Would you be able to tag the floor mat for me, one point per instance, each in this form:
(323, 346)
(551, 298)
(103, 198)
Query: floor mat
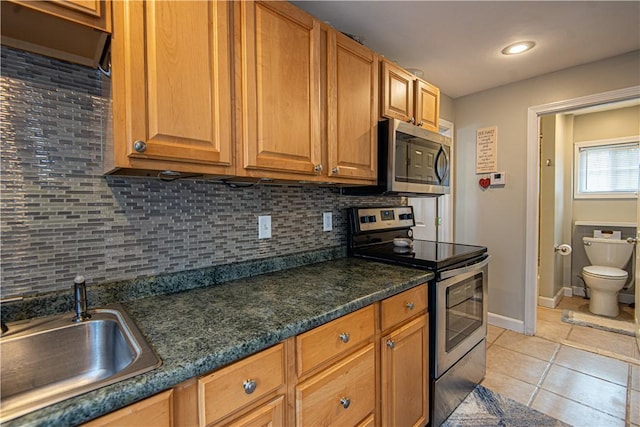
(598, 322)
(484, 407)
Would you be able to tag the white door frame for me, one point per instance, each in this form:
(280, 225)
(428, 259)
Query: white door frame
(533, 186)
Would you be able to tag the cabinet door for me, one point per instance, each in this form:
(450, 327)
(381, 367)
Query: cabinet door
(352, 106)
(397, 92)
(280, 88)
(172, 85)
(427, 105)
(404, 372)
(271, 414)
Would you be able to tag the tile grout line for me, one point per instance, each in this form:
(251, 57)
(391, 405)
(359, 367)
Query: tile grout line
(544, 376)
(627, 408)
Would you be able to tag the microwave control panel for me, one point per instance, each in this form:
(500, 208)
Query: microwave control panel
(370, 219)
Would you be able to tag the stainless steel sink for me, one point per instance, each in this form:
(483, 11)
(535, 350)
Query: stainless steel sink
(50, 359)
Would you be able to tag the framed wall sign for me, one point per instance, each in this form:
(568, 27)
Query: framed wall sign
(487, 150)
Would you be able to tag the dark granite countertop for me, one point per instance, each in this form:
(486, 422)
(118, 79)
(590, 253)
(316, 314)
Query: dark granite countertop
(199, 330)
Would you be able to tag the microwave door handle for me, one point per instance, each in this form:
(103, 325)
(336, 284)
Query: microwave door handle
(441, 152)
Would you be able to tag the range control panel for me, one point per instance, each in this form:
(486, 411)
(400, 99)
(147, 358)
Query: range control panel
(370, 219)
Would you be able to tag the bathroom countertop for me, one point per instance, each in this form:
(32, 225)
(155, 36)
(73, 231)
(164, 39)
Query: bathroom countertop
(199, 330)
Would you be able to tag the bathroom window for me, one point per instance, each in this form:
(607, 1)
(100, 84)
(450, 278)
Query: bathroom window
(607, 168)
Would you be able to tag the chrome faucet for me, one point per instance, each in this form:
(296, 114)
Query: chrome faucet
(80, 292)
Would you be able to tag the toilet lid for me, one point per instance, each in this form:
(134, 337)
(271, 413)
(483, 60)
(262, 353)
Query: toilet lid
(605, 272)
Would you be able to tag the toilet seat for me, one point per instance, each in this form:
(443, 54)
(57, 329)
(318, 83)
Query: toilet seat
(604, 272)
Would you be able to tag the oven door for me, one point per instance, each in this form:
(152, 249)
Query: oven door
(461, 313)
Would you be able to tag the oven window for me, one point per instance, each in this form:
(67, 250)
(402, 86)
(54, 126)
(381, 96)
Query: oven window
(464, 310)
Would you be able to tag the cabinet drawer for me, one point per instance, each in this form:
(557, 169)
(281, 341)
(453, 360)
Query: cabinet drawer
(398, 308)
(342, 395)
(153, 411)
(334, 338)
(223, 391)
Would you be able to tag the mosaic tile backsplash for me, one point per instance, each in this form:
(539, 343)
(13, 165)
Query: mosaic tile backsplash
(61, 217)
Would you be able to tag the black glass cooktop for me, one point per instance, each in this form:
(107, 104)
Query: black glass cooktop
(424, 254)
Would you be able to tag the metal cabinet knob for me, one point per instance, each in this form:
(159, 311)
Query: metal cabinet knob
(391, 343)
(335, 170)
(412, 120)
(409, 305)
(632, 240)
(249, 386)
(345, 402)
(344, 337)
(318, 168)
(140, 146)
(420, 123)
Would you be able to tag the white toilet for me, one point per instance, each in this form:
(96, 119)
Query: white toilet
(605, 276)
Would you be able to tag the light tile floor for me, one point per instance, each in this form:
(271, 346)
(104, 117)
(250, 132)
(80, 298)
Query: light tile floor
(580, 375)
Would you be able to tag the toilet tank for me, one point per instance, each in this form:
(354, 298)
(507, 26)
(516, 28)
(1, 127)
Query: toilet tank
(607, 252)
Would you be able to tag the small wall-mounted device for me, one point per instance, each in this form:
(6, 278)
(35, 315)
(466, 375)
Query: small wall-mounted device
(498, 179)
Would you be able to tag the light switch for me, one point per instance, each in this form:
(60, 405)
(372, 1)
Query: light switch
(264, 227)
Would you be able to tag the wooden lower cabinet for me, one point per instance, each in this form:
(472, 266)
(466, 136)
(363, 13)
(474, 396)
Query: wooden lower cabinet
(368, 368)
(271, 414)
(341, 395)
(154, 411)
(240, 385)
(404, 375)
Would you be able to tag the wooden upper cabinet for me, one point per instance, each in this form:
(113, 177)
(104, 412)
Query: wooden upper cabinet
(397, 92)
(172, 86)
(352, 108)
(279, 89)
(92, 13)
(72, 30)
(427, 98)
(408, 98)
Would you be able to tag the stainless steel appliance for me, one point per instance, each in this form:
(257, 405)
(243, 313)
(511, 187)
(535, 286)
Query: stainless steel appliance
(411, 161)
(457, 298)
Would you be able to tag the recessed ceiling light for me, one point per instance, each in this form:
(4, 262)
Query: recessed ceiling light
(519, 47)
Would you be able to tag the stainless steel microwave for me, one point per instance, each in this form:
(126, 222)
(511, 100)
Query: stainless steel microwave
(412, 162)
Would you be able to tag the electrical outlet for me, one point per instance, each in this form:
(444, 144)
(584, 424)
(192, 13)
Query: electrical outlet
(264, 227)
(327, 221)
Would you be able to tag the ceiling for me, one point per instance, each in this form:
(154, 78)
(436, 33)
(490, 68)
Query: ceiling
(457, 43)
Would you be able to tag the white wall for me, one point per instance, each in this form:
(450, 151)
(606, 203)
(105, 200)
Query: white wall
(496, 217)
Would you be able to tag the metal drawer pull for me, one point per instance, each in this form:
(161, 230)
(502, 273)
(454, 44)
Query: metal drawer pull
(409, 305)
(391, 343)
(345, 402)
(344, 337)
(249, 386)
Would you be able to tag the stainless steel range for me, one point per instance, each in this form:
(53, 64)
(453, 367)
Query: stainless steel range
(457, 298)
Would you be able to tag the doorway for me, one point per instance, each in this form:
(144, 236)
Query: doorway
(533, 188)
(434, 215)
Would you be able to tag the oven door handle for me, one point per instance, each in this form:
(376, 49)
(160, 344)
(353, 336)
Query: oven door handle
(479, 266)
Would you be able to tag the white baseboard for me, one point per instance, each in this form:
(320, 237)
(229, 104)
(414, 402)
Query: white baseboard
(578, 291)
(551, 302)
(505, 322)
(568, 291)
